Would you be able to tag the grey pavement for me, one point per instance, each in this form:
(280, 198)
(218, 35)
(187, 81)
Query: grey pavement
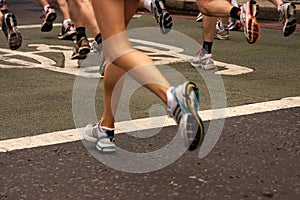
(245, 164)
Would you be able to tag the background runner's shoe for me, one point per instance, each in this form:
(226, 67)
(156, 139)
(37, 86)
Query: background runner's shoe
(249, 12)
(222, 32)
(199, 17)
(162, 16)
(76, 55)
(49, 16)
(67, 32)
(234, 25)
(203, 60)
(83, 46)
(3, 5)
(185, 113)
(97, 48)
(288, 18)
(11, 32)
(102, 136)
(81, 49)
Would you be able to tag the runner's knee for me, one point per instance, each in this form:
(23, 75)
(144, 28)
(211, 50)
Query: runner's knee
(116, 46)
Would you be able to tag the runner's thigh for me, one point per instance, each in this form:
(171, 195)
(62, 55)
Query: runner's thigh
(110, 16)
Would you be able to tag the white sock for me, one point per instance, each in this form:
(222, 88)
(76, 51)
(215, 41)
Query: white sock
(279, 7)
(171, 102)
(66, 22)
(147, 4)
(234, 3)
(46, 7)
(103, 130)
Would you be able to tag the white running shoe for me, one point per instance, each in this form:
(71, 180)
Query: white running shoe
(81, 49)
(203, 60)
(199, 17)
(249, 12)
(103, 137)
(222, 32)
(287, 15)
(97, 48)
(11, 32)
(68, 32)
(162, 16)
(185, 113)
(49, 15)
(234, 25)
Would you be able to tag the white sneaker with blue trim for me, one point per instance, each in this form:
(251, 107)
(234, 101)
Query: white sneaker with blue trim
(185, 113)
(102, 136)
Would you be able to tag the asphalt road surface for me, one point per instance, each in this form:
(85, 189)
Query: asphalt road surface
(256, 157)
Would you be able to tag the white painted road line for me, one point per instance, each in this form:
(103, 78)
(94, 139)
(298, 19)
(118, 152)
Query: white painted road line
(36, 26)
(139, 124)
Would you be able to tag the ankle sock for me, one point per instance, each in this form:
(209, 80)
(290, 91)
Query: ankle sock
(171, 102)
(46, 7)
(207, 46)
(66, 22)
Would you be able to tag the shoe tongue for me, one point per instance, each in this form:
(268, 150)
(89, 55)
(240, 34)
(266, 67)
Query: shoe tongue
(107, 130)
(110, 133)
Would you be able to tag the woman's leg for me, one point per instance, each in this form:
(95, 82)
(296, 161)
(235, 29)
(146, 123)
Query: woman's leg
(112, 16)
(86, 13)
(64, 8)
(138, 64)
(111, 78)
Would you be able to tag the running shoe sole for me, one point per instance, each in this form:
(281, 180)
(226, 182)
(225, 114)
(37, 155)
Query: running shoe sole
(83, 46)
(290, 23)
(186, 115)
(222, 37)
(193, 121)
(162, 16)
(14, 37)
(77, 56)
(15, 40)
(109, 149)
(166, 22)
(80, 53)
(84, 50)
(252, 27)
(48, 22)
